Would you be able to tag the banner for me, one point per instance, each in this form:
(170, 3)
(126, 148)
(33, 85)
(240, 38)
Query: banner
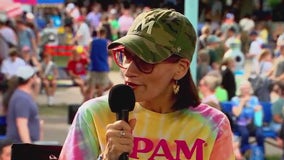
(30, 2)
(34, 2)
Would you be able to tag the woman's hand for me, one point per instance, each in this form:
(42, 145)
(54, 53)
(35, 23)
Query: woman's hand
(257, 108)
(245, 99)
(119, 139)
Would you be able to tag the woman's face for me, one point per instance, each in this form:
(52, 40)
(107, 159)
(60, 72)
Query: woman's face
(148, 86)
(268, 57)
(245, 89)
(151, 83)
(202, 86)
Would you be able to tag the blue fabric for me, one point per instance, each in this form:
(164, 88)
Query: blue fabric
(25, 37)
(256, 153)
(245, 134)
(49, 1)
(247, 113)
(99, 55)
(266, 107)
(22, 105)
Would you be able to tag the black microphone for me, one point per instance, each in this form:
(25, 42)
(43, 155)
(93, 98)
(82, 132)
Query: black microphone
(121, 101)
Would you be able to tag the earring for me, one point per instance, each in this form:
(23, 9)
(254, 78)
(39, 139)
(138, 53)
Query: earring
(176, 87)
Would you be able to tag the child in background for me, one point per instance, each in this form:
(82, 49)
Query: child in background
(265, 62)
(77, 68)
(49, 74)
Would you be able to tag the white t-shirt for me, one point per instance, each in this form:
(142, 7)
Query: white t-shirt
(10, 67)
(255, 49)
(85, 35)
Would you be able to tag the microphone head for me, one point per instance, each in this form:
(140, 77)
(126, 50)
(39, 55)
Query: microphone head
(121, 97)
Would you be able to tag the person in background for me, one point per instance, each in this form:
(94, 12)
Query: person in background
(107, 26)
(265, 62)
(69, 33)
(77, 68)
(205, 32)
(125, 19)
(207, 88)
(232, 37)
(5, 149)
(277, 109)
(8, 33)
(33, 62)
(49, 74)
(82, 33)
(8, 39)
(114, 24)
(23, 123)
(254, 50)
(203, 66)
(72, 10)
(277, 123)
(277, 72)
(26, 37)
(98, 79)
(220, 93)
(12, 63)
(154, 58)
(213, 43)
(228, 77)
(245, 106)
(29, 59)
(94, 16)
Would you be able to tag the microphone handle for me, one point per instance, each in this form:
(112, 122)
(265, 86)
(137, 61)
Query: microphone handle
(123, 115)
(123, 156)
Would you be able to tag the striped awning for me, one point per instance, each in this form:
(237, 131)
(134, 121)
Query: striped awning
(11, 9)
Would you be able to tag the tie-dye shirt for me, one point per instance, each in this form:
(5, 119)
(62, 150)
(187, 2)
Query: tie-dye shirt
(201, 133)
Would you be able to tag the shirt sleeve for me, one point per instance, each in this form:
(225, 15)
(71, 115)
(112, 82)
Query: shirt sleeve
(223, 147)
(235, 101)
(81, 142)
(276, 108)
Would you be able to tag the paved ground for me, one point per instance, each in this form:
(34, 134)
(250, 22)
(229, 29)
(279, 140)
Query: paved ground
(56, 127)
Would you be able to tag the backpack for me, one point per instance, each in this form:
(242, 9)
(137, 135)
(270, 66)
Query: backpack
(256, 153)
(256, 82)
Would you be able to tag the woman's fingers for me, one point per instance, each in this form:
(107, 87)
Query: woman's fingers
(119, 138)
(119, 125)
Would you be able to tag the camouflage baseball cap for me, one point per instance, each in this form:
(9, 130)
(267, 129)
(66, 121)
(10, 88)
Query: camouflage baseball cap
(157, 34)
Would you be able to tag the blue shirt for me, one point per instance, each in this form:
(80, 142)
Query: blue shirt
(25, 37)
(22, 105)
(247, 113)
(99, 55)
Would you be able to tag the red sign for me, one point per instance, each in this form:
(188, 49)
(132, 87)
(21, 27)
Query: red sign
(31, 2)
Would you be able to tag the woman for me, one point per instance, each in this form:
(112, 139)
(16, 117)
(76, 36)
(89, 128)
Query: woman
(265, 62)
(228, 77)
(245, 108)
(207, 88)
(168, 121)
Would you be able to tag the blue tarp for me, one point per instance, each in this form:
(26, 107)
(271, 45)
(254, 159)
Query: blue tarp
(49, 1)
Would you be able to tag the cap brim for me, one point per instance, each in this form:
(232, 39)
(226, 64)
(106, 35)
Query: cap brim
(145, 49)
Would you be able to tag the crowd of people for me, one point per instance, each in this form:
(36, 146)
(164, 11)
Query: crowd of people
(224, 50)
(233, 49)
